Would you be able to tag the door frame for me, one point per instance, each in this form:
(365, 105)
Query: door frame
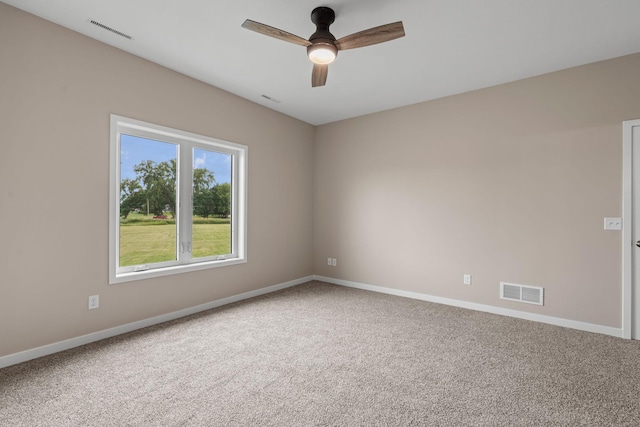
(629, 312)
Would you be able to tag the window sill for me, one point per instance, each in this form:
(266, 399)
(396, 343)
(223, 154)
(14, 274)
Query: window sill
(168, 271)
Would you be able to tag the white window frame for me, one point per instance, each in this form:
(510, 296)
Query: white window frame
(186, 141)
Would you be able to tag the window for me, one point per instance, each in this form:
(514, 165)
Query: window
(177, 201)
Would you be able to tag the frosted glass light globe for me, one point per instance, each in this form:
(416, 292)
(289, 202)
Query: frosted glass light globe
(322, 54)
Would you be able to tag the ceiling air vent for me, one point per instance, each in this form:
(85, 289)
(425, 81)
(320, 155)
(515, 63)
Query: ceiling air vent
(277, 101)
(522, 293)
(105, 27)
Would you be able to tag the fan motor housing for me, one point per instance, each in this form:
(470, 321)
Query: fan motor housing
(322, 17)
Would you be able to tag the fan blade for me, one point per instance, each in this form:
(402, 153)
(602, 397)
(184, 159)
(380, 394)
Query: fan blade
(319, 75)
(274, 32)
(375, 35)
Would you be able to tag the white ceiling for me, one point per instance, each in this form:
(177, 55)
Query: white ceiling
(451, 46)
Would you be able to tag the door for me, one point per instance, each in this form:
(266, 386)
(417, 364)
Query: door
(635, 229)
(631, 226)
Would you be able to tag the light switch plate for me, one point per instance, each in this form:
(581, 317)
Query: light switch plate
(613, 223)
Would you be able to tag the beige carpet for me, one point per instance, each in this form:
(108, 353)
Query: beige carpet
(324, 355)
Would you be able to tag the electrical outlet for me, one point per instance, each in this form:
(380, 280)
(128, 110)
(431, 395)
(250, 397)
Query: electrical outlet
(334, 262)
(94, 301)
(466, 279)
(328, 261)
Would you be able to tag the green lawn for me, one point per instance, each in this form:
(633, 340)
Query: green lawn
(144, 240)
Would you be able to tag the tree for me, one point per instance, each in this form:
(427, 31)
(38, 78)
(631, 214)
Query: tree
(132, 196)
(202, 179)
(159, 182)
(222, 199)
(203, 201)
(154, 185)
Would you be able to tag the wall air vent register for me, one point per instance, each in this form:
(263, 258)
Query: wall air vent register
(522, 293)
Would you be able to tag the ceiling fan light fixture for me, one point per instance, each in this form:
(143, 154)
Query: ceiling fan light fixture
(322, 53)
(322, 46)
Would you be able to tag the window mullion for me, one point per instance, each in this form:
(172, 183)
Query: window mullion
(185, 203)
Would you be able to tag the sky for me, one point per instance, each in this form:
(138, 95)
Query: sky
(134, 149)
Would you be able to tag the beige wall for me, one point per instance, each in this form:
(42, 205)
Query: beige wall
(510, 183)
(57, 90)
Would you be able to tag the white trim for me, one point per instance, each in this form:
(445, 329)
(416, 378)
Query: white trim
(23, 356)
(567, 323)
(627, 229)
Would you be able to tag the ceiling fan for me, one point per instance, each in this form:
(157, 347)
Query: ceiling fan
(322, 46)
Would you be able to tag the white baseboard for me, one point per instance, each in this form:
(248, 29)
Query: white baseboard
(573, 324)
(23, 356)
